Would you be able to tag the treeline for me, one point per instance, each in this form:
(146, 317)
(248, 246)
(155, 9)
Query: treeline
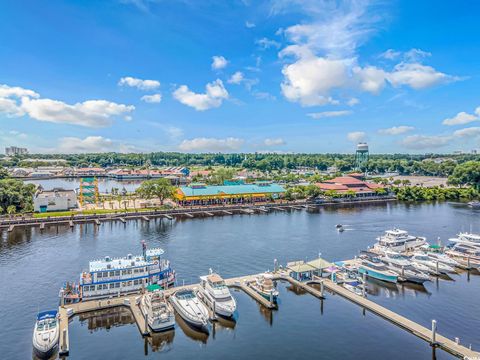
(418, 193)
(404, 164)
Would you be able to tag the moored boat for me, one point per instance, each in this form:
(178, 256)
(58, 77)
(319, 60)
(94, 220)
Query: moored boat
(190, 309)
(399, 241)
(46, 333)
(159, 311)
(263, 284)
(215, 294)
(466, 238)
(468, 256)
(375, 269)
(435, 267)
(403, 268)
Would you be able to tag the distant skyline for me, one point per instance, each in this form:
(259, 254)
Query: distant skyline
(239, 76)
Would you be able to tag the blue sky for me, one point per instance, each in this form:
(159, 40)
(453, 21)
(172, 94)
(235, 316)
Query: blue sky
(228, 76)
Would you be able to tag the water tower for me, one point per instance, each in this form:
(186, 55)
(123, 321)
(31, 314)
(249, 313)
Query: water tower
(361, 155)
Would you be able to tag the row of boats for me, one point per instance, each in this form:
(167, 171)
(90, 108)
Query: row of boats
(400, 257)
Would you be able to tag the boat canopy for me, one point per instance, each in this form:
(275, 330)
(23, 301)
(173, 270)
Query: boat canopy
(320, 263)
(154, 287)
(51, 314)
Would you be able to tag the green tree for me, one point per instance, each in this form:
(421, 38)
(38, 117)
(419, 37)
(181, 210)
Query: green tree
(4, 173)
(161, 189)
(11, 209)
(467, 173)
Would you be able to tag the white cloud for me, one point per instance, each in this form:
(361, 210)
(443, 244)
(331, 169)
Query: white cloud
(371, 78)
(356, 136)
(461, 118)
(417, 76)
(214, 95)
(266, 43)
(353, 102)
(219, 62)
(422, 142)
(174, 132)
(236, 78)
(415, 55)
(396, 130)
(91, 144)
(327, 114)
(16, 91)
(467, 132)
(249, 24)
(390, 54)
(139, 83)
(155, 98)
(274, 142)
(262, 95)
(211, 144)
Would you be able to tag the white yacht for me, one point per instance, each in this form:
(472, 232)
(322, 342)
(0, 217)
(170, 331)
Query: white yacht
(466, 238)
(404, 268)
(161, 316)
(216, 295)
(467, 255)
(436, 253)
(374, 268)
(435, 267)
(263, 284)
(46, 333)
(399, 241)
(190, 308)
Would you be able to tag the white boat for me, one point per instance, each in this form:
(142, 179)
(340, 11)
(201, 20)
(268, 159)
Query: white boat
(374, 268)
(436, 253)
(468, 256)
(160, 314)
(355, 286)
(435, 267)
(403, 268)
(474, 204)
(399, 241)
(263, 284)
(466, 238)
(216, 295)
(190, 308)
(46, 333)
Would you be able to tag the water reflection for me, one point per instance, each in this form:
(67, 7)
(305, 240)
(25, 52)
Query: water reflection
(192, 333)
(159, 342)
(106, 319)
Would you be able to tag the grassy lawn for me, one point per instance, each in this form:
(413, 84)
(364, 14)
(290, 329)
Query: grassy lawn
(91, 212)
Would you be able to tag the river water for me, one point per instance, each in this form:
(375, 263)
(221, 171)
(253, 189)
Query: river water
(33, 266)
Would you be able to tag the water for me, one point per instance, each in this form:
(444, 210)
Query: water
(104, 184)
(34, 265)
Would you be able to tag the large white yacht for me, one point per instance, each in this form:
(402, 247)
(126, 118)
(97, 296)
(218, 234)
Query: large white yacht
(467, 255)
(398, 241)
(216, 295)
(435, 267)
(46, 333)
(404, 268)
(161, 316)
(466, 238)
(190, 308)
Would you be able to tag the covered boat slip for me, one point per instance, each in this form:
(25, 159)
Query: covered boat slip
(305, 271)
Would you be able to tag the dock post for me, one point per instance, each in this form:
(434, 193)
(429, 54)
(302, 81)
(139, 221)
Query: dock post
(364, 284)
(457, 341)
(321, 288)
(64, 343)
(468, 262)
(146, 323)
(434, 331)
(274, 265)
(271, 299)
(436, 266)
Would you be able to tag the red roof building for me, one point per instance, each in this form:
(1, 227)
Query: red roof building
(343, 184)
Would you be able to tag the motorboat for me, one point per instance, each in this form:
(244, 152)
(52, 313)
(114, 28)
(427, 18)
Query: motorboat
(354, 285)
(399, 241)
(376, 269)
(467, 255)
(263, 284)
(474, 204)
(160, 313)
(466, 238)
(436, 253)
(435, 267)
(46, 333)
(190, 308)
(215, 294)
(403, 267)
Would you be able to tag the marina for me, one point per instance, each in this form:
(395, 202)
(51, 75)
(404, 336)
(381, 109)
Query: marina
(295, 225)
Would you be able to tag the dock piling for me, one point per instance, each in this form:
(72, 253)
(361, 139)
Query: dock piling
(457, 341)
(364, 287)
(322, 288)
(146, 323)
(434, 332)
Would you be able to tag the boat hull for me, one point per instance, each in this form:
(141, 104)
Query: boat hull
(378, 275)
(196, 323)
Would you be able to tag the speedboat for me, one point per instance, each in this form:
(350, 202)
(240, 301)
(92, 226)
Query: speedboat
(435, 267)
(468, 256)
(263, 284)
(190, 308)
(399, 241)
(403, 268)
(46, 333)
(216, 295)
(161, 316)
(374, 268)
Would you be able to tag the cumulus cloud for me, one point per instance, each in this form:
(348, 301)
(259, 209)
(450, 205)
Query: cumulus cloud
(219, 62)
(249, 24)
(327, 114)
(213, 97)
(353, 102)
(236, 78)
(356, 136)
(417, 76)
(422, 142)
(139, 83)
(274, 142)
(370, 78)
(396, 130)
(266, 43)
(467, 132)
(211, 144)
(462, 118)
(16, 101)
(390, 54)
(90, 144)
(155, 98)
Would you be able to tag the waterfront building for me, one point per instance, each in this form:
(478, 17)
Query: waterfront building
(57, 199)
(89, 172)
(13, 150)
(233, 193)
(300, 270)
(347, 184)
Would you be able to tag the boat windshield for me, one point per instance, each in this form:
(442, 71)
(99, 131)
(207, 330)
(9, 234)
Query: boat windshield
(185, 295)
(218, 285)
(421, 257)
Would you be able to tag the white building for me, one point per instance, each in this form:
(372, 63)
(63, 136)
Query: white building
(54, 200)
(13, 150)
